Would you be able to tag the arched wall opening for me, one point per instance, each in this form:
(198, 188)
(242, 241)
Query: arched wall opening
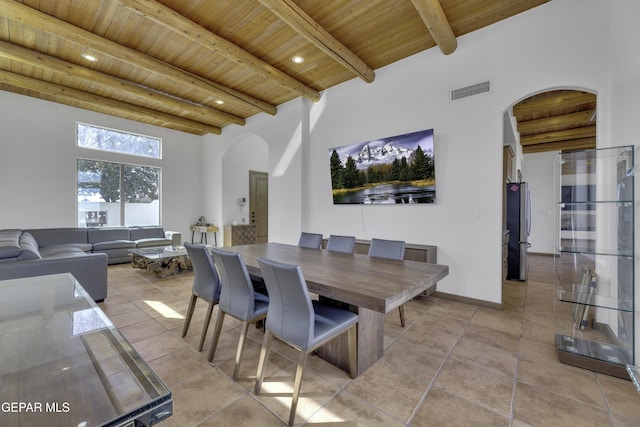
(537, 168)
(246, 153)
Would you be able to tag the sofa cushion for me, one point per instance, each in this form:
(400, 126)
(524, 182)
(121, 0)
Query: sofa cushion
(139, 233)
(9, 250)
(89, 269)
(29, 247)
(9, 234)
(96, 235)
(114, 244)
(16, 245)
(85, 247)
(57, 236)
(61, 250)
(10, 244)
(117, 255)
(145, 243)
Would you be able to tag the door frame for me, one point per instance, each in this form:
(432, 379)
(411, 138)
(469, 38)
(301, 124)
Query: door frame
(259, 199)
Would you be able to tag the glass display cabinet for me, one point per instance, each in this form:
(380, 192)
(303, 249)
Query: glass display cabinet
(594, 277)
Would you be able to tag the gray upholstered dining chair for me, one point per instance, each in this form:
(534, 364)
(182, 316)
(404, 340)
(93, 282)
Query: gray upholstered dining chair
(237, 299)
(341, 243)
(300, 322)
(206, 285)
(310, 240)
(391, 249)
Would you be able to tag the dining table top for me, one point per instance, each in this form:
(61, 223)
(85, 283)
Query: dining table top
(377, 284)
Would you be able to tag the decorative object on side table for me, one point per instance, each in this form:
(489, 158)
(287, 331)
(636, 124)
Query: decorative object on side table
(203, 227)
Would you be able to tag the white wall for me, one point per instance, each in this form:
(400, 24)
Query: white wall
(283, 135)
(538, 170)
(38, 164)
(413, 94)
(247, 153)
(625, 89)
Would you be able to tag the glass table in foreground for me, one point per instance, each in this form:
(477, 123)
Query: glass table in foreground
(64, 363)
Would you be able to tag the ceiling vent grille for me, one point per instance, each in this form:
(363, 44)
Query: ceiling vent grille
(472, 90)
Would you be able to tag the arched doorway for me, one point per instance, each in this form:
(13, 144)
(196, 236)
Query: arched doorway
(556, 120)
(537, 127)
(245, 156)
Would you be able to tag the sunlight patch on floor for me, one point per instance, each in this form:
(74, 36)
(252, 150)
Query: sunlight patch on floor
(164, 310)
(282, 392)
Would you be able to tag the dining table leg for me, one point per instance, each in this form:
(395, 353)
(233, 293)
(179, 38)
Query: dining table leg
(370, 342)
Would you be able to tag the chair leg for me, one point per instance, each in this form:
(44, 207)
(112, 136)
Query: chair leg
(205, 327)
(296, 386)
(187, 320)
(216, 334)
(241, 342)
(401, 311)
(264, 357)
(352, 343)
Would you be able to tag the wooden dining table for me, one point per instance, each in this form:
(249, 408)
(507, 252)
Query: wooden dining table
(366, 285)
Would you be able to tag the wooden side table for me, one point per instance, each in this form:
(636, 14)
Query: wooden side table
(203, 230)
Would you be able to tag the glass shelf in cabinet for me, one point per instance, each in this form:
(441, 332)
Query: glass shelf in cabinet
(570, 294)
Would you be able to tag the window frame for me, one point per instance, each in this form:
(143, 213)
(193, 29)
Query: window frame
(122, 202)
(123, 153)
(123, 160)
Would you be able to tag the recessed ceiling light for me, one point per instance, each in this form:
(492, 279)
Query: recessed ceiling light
(298, 59)
(219, 101)
(89, 57)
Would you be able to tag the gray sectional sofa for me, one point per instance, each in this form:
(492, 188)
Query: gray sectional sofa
(84, 252)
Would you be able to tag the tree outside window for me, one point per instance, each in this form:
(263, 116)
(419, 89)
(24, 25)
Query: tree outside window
(117, 194)
(113, 194)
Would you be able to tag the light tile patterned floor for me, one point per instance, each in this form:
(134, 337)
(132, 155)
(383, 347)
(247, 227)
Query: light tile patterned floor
(454, 364)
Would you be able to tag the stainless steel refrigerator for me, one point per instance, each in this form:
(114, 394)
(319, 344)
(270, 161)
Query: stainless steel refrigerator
(519, 226)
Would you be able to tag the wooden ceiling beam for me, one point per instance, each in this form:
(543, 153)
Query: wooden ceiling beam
(581, 118)
(437, 23)
(33, 18)
(158, 100)
(563, 99)
(563, 135)
(574, 144)
(77, 98)
(314, 33)
(179, 24)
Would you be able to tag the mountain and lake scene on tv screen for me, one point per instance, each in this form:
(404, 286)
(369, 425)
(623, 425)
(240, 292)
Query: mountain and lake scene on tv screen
(393, 170)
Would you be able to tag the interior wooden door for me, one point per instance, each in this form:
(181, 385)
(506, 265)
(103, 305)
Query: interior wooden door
(259, 204)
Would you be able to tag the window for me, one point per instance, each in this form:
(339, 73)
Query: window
(115, 141)
(117, 194)
(113, 194)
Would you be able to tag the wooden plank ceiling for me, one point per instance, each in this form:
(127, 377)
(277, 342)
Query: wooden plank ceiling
(561, 120)
(200, 65)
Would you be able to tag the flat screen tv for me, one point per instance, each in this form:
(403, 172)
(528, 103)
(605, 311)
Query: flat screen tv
(394, 170)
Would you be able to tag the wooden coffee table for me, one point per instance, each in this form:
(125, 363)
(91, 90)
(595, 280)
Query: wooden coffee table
(161, 261)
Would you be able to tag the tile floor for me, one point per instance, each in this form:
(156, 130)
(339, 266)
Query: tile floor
(454, 364)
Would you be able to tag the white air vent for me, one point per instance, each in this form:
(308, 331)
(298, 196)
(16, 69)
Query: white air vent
(472, 90)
